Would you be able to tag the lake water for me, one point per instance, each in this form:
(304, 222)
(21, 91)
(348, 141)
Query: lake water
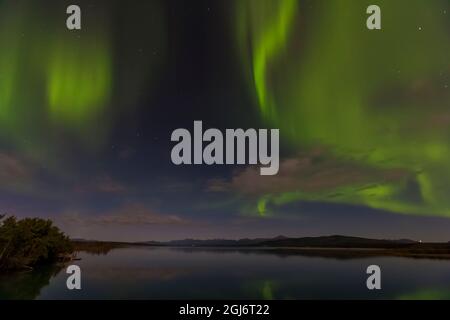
(177, 273)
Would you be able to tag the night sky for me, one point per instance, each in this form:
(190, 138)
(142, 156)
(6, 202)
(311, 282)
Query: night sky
(364, 116)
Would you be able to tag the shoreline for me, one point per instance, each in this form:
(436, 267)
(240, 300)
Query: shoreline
(415, 251)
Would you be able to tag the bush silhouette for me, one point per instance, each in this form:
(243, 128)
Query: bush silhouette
(27, 242)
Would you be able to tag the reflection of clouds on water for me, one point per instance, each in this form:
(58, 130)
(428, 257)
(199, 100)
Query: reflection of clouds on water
(290, 252)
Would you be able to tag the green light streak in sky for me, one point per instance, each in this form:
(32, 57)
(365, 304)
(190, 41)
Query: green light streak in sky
(79, 78)
(59, 80)
(262, 206)
(56, 85)
(374, 97)
(11, 26)
(270, 23)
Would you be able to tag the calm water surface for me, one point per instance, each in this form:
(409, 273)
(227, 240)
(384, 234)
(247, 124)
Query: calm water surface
(176, 273)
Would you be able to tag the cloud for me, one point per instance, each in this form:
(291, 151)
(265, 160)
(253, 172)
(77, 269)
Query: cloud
(311, 172)
(129, 214)
(102, 184)
(126, 153)
(15, 173)
(318, 176)
(106, 184)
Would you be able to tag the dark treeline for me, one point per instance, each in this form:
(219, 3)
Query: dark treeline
(98, 247)
(25, 243)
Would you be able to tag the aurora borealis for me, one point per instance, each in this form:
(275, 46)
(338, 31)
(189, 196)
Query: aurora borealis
(366, 97)
(86, 116)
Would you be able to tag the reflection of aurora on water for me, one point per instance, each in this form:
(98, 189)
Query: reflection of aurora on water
(427, 294)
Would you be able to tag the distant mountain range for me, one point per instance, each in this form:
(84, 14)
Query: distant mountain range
(340, 247)
(335, 241)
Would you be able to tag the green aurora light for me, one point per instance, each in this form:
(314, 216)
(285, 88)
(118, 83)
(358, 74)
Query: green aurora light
(375, 98)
